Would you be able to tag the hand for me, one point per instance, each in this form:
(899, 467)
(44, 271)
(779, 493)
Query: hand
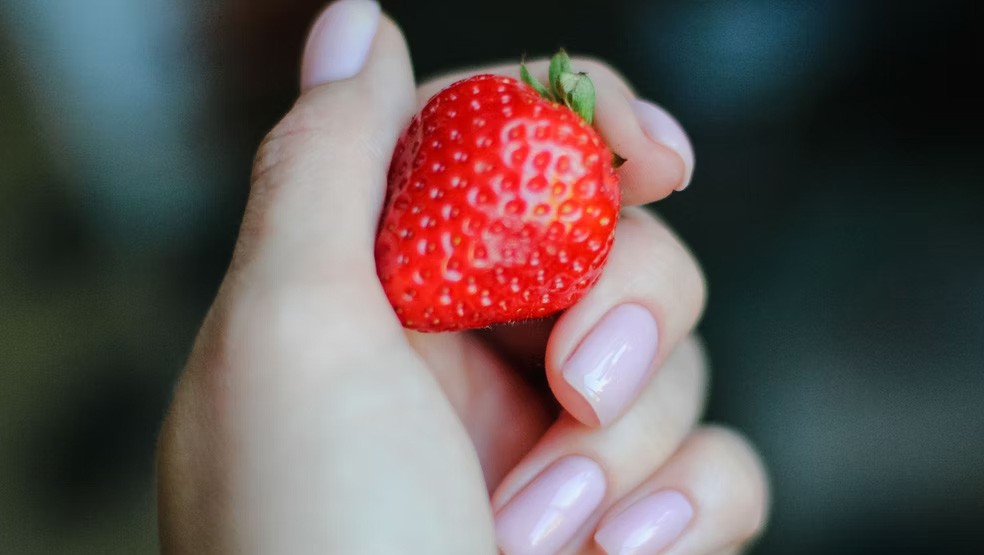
(308, 421)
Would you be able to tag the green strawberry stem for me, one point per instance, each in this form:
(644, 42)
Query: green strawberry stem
(572, 89)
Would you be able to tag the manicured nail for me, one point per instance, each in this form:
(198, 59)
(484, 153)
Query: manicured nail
(610, 365)
(648, 526)
(339, 42)
(664, 129)
(548, 512)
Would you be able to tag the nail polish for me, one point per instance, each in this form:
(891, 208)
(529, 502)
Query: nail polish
(648, 526)
(547, 513)
(611, 365)
(339, 42)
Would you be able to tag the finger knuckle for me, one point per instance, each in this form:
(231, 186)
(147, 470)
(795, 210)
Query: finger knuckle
(686, 367)
(695, 358)
(316, 130)
(275, 157)
(656, 431)
(671, 260)
(742, 469)
(313, 143)
(692, 281)
(664, 415)
(281, 145)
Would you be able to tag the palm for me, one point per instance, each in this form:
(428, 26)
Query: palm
(490, 378)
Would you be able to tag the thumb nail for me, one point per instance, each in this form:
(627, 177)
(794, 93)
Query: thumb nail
(339, 42)
(662, 128)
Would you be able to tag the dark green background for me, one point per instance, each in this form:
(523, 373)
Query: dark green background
(836, 209)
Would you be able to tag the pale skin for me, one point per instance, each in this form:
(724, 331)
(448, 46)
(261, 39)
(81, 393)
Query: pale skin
(308, 420)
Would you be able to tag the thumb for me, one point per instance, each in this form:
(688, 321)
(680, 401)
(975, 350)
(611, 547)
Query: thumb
(320, 175)
(302, 422)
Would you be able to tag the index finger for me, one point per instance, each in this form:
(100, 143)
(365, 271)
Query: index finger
(659, 158)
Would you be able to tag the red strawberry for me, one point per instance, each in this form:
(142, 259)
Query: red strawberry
(501, 203)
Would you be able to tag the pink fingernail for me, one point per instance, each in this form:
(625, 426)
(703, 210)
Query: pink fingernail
(664, 129)
(611, 364)
(547, 513)
(339, 42)
(648, 526)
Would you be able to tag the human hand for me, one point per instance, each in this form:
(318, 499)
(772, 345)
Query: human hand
(308, 420)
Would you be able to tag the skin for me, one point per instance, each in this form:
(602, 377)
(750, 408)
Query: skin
(308, 421)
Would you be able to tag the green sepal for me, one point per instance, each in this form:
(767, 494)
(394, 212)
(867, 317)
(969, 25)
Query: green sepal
(572, 89)
(578, 94)
(528, 78)
(559, 65)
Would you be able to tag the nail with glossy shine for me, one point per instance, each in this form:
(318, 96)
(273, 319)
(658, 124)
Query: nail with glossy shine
(548, 512)
(664, 129)
(339, 42)
(648, 526)
(611, 365)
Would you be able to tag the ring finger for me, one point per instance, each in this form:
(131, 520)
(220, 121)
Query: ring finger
(556, 493)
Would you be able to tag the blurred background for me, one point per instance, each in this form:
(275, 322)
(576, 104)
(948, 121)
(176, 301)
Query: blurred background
(836, 207)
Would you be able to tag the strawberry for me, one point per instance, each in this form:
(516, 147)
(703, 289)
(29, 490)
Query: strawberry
(501, 203)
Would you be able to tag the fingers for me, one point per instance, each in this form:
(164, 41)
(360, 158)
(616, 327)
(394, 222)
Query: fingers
(604, 349)
(555, 494)
(320, 175)
(659, 154)
(710, 497)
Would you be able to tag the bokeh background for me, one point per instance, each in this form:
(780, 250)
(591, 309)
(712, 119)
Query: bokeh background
(836, 207)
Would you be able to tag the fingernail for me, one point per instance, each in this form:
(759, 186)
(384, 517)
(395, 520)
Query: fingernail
(610, 365)
(548, 512)
(664, 129)
(339, 42)
(646, 527)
